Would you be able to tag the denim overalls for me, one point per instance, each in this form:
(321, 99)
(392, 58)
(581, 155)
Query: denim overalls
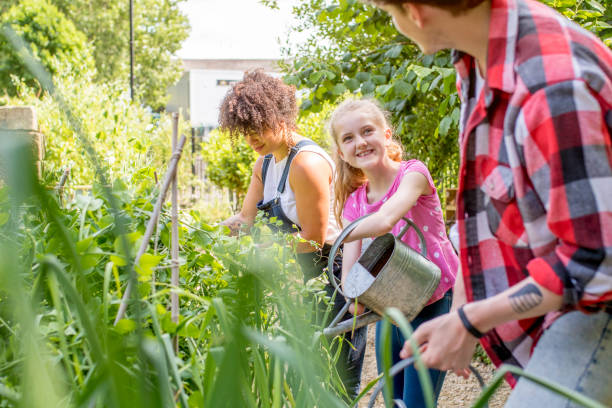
(273, 208)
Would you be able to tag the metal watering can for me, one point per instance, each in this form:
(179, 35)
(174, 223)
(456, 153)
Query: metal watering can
(388, 274)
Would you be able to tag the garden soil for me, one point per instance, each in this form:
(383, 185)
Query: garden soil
(456, 392)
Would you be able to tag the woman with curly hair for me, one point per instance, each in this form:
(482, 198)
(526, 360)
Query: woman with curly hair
(293, 181)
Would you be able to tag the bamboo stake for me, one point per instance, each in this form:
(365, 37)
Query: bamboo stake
(174, 301)
(152, 223)
(60, 186)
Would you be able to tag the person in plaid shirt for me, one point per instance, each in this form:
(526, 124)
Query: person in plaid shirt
(535, 194)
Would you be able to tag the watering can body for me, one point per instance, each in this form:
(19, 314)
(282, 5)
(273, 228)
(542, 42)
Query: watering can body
(388, 274)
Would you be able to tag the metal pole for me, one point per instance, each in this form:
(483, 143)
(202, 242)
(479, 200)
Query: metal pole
(174, 300)
(193, 166)
(132, 50)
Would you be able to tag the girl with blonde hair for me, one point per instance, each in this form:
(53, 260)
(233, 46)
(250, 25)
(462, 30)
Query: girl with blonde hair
(371, 177)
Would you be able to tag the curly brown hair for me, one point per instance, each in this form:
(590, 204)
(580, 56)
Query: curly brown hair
(257, 103)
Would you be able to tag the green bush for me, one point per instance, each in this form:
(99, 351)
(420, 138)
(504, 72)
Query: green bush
(52, 37)
(125, 136)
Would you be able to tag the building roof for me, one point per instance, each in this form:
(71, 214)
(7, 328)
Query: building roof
(268, 65)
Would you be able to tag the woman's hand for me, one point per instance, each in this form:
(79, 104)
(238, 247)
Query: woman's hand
(447, 345)
(246, 216)
(234, 223)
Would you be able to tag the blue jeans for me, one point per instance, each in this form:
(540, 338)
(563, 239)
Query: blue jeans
(406, 385)
(576, 352)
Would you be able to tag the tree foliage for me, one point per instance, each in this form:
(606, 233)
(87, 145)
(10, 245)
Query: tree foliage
(159, 29)
(363, 54)
(228, 162)
(126, 137)
(52, 38)
(353, 48)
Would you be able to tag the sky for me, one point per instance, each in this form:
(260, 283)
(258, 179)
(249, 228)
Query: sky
(235, 29)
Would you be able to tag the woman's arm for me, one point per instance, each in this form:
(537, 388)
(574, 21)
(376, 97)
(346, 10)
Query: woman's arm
(412, 186)
(310, 177)
(249, 205)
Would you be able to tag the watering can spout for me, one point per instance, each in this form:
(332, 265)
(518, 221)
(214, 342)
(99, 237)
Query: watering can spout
(351, 324)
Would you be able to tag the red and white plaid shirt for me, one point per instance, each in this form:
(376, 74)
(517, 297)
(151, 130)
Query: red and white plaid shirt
(535, 181)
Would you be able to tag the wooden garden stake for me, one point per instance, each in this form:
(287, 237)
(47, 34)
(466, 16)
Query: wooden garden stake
(60, 186)
(174, 301)
(176, 155)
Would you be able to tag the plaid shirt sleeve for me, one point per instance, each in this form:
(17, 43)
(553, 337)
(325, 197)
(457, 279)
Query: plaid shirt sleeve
(567, 154)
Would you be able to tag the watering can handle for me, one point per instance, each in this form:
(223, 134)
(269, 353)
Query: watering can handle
(349, 228)
(411, 224)
(332, 253)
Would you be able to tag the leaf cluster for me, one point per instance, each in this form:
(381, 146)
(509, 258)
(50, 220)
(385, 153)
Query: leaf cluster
(159, 30)
(52, 37)
(354, 50)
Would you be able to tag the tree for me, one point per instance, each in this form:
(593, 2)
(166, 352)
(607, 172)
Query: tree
(52, 38)
(159, 29)
(353, 48)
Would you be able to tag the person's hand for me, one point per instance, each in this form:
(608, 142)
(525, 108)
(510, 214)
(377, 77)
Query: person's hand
(360, 308)
(234, 223)
(444, 344)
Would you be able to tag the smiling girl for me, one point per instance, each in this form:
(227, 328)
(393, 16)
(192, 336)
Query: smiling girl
(372, 178)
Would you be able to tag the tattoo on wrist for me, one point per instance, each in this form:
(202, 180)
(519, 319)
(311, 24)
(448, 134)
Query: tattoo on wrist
(526, 298)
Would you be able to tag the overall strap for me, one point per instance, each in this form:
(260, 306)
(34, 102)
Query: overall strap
(294, 150)
(264, 167)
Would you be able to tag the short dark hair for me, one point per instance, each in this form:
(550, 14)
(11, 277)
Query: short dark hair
(455, 6)
(257, 103)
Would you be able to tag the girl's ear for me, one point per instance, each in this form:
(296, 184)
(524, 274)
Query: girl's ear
(388, 134)
(339, 152)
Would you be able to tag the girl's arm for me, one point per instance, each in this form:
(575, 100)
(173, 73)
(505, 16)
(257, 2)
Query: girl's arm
(249, 205)
(412, 186)
(310, 177)
(350, 254)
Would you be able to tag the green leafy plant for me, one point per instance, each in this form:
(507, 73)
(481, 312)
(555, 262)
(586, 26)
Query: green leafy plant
(52, 38)
(160, 27)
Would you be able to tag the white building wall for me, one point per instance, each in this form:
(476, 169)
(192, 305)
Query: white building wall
(206, 92)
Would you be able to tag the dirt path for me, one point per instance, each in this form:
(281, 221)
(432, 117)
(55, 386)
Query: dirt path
(456, 391)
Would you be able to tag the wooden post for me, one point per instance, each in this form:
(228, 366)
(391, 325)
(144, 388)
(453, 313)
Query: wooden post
(60, 186)
(174, 301)
(152, 223)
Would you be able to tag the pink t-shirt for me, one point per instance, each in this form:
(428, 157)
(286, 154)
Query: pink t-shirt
(426, 214)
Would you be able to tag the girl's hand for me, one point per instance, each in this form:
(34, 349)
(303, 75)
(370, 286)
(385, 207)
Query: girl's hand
(360, 308)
